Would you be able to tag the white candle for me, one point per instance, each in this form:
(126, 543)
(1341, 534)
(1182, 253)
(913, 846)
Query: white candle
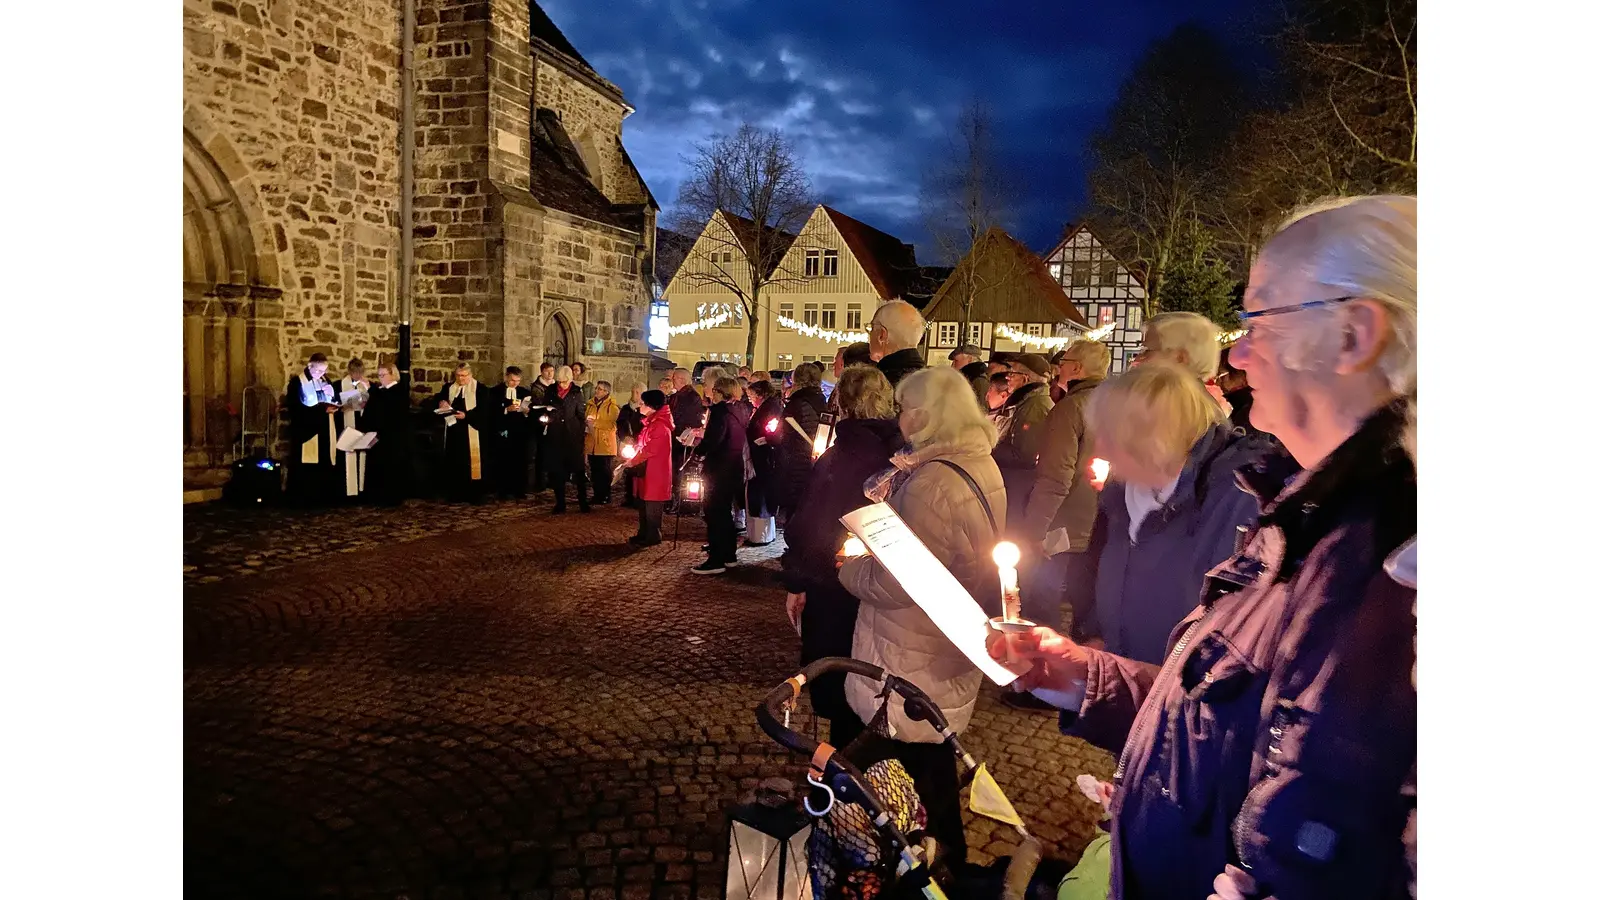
(1006, 556)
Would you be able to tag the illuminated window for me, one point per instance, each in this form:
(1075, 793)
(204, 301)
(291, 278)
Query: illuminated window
(830, 316)
(1055, 272)
(852, 317)
(785, 360)
(974, 332)
(830, 263)
(1135, 318)
(786, 310)
(947, 334)
(1035, 330)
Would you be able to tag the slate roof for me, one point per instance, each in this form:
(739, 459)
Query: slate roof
(560, 179)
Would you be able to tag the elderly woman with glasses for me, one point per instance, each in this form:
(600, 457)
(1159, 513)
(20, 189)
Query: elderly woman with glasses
(1266, 756)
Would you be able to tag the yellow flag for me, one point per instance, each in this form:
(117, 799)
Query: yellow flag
(988, 800)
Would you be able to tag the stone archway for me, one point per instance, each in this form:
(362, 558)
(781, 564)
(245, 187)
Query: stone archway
(558, 348)
(230, 317)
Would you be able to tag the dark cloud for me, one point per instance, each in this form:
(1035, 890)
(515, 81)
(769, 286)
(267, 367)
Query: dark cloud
(867, 88)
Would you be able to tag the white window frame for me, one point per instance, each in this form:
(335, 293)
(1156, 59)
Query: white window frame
(813, 263)
(830, 264)
(1055, 272)
(974, 333)
(785, 360)
(810, 312)
(1035, 329)
(1135, 319)
(787, 311)
(830, 315)
(852, 317)
(948, 331)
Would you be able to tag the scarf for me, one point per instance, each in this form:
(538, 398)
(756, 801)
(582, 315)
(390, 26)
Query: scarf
(311, 394)
(355, 462)
(469, 391)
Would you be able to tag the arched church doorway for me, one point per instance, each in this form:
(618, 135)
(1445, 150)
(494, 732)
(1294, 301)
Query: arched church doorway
(557, 340)
(225, 353)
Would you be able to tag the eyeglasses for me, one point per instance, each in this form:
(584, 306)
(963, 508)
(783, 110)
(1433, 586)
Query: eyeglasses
(1309, 304)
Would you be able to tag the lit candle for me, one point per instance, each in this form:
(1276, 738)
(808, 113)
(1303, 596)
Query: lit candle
(853, 547)
(629, 451)
(1099, 469)
(692, 488)
(1006, 556)
(819, 444)
(772, 426)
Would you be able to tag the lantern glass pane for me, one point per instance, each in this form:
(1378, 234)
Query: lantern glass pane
(753, 864)
(797, 875)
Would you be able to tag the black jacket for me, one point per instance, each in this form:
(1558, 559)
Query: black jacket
(901, 363)
(722, 447)
(687, 408)
(805, 406)
(814, 534)
(564, 439)
(630, 423)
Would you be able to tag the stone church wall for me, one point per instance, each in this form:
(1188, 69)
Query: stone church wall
(305, 95)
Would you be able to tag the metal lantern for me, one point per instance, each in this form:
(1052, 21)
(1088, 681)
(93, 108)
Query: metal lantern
(767, 859)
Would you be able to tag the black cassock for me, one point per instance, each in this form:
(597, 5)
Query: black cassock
(467, 442)
(388, 414)
(563, 448)
(313, 460)
(513, 435)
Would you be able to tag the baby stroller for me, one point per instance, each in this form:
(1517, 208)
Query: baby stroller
(865, 825)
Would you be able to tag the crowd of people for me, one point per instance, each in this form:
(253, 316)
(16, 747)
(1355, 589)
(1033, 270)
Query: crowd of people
(1218, 547)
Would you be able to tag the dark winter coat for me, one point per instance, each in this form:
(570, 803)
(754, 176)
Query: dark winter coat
(1282, 727)
(1142, 588)
(564, 438)
(805, 406)
(762, 493)
(722, 448)
(897, 365)
(1022, 428)
(630, 422)
(687, 409)
(977, 374)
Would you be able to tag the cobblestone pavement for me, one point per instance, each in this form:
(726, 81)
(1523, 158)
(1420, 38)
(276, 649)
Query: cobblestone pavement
(494, 702)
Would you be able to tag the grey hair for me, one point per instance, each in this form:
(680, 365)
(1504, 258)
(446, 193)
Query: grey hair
(1364, 247)
(949, 417)
(902, 322)
(564, 373)
(1191, 333)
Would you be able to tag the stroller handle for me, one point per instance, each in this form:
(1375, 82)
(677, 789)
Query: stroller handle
(918, 705)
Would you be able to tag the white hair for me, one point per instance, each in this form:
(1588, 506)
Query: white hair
(902, 322)
(1363, 247)
(941, 398)
(1192, 334)
(564, 373)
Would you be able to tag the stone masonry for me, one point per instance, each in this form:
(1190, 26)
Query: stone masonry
(293, 108)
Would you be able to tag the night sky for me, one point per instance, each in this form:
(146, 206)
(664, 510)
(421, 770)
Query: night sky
(868, 88)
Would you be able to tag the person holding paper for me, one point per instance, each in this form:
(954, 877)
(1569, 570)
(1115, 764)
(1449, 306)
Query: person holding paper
(1278, 735)
(688, 411)
(600, 440)
(313, 406)
(817, 604)
(539, 426)
(564, 443)
(652, 465)
(387, 421)
(514, 432)
(950, 441)
(353, 391)
(468, 410)
(805, 407)
(763, 436)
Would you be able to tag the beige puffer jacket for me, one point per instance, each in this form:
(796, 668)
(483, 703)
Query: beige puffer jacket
(891, 630)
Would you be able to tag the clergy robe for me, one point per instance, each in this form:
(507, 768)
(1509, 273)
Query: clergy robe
(467, 441)
(513, 433)
(313, 461)
(564, 445)
(388, 414)
(352, 465)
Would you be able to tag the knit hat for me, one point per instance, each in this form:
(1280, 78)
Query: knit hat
(653, 399)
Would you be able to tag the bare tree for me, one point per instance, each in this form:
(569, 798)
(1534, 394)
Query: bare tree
(750, 188)
(965, 193)
(1156, 161)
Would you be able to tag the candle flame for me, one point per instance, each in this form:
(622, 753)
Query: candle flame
(772, 426)
(692, 488)
(629, 451)
(854, 547)
(1100, 469)
(1007, 555)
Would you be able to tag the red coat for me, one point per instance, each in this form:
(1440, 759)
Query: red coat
(655, 456)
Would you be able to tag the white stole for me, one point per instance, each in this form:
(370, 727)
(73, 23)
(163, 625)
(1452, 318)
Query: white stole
(311, 390)
(470, 392)
(355, 475)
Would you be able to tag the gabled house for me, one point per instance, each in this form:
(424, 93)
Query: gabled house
(1109, 292)
(999, 288)
(831, 276)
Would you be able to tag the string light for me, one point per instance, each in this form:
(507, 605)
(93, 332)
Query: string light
(1230, 337)
(692, 327)
(827, 334)
(1034, 340)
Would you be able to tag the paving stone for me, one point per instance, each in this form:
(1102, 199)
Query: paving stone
(488, 701)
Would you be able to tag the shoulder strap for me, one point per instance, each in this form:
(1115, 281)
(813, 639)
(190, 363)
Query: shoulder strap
(975, 490)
